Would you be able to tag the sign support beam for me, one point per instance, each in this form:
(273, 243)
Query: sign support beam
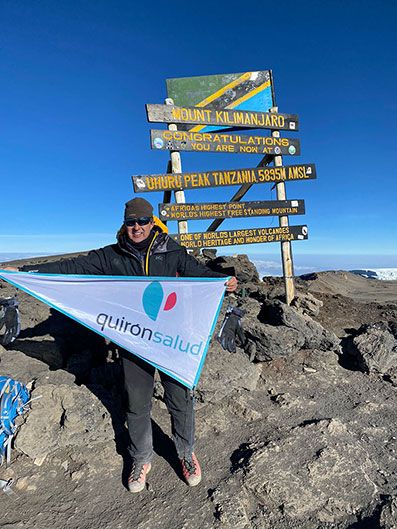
(176, 166)
(286, 250)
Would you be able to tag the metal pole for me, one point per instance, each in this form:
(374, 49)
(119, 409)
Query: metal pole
(286, 251)
(176, 166)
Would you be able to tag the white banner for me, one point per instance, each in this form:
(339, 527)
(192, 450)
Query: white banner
(166, 321)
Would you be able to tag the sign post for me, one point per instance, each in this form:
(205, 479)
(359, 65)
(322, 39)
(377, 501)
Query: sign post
(176, 167)
(206, 114)
(286, 251)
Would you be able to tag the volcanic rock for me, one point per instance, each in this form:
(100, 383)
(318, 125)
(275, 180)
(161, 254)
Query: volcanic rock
(307, 304)
(317, 473)
(239, 266)
(375, 349)
(388, 516)
(63, 416)
(277, 330)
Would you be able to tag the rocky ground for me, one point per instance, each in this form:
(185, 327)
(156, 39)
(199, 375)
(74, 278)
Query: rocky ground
(297, 430)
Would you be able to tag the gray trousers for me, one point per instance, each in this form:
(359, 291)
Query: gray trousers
(139, 383)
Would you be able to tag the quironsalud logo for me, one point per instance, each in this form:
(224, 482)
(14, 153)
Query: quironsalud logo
(153, 303)
(152, 300)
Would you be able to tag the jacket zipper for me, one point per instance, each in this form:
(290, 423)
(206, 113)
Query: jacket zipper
(146, 267)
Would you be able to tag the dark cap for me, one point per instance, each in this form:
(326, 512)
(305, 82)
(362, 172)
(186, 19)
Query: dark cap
(137, 207)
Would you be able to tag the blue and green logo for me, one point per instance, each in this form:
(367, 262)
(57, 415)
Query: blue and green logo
(152, 300)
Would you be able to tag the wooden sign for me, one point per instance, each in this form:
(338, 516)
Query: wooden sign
(212, 239)
(232, 118)
(229, 143)
(239, 91)
(227, 210)
(255, 175)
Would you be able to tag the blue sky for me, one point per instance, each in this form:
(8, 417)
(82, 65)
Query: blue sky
(76, 76)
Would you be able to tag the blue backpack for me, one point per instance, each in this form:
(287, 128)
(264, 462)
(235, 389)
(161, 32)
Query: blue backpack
(13, 399)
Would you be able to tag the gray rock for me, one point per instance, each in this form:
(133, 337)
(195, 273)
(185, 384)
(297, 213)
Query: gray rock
(224, 373)
(317, 471)
(307, 304)
(376, 351)
(388, 515)
(272, 342)
(277, 330)
(17, 365)
(239, 266)
(63, 416)
(316, 337)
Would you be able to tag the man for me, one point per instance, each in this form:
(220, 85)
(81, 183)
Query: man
(143, 248)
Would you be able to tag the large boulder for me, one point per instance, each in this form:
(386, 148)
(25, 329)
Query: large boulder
(223, 374)
(267, 342)
(239, 266)
(61, 413)
(275, 329)
(61, 416)
(307, 304)
(375, 349)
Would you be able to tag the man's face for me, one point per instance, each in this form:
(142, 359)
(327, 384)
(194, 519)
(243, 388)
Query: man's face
(137, 233)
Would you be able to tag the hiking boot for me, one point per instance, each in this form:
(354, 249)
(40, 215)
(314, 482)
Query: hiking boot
(191, 470)
(137, 477)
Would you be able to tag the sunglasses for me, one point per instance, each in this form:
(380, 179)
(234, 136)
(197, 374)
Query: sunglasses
(141, 221)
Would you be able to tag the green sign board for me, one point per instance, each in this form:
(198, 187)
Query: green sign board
(239, 91)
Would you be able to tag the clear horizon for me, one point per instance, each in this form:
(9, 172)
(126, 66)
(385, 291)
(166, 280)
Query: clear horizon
(270, 263)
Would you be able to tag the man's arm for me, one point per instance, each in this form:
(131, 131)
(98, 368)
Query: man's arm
(190, 267)
(92, 263)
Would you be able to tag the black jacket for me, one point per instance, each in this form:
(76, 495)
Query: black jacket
(165, 258)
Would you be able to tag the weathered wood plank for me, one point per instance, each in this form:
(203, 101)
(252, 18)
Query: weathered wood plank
(218, 210)
(221, 178)
(221, 117)
(213, 239)
(228, 143)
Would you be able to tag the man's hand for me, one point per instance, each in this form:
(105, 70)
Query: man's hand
(231, 285)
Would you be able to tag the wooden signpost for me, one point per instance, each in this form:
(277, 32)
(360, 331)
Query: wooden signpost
(230, 210)
(231, 177)
(210, 239)
(196, 109)
(229, 143)
(221, 118)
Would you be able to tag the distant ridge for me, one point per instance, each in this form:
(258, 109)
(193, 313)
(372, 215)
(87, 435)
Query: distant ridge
(383, 274)
(20, 259)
